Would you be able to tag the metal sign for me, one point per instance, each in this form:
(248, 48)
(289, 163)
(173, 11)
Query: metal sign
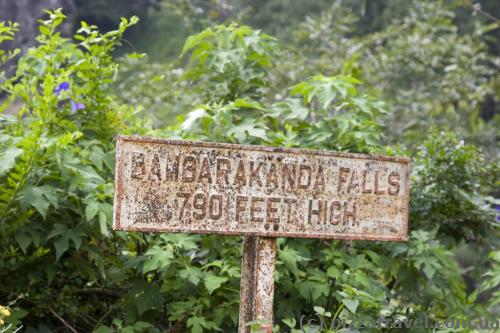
(212, 188)
(261, 193)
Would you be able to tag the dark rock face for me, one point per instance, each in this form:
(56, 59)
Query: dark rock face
(27, 13)
(103, 13)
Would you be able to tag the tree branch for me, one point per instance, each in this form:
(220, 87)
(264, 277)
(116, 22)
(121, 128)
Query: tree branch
(63, 321)
(102, 291)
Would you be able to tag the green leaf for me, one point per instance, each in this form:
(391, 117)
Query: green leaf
(63, 235)
(319, 310)
(103, 224)
(91, 210)
(247, 103)
(495, 256)
(16, 316)
(61, 245)
(313, 290)
(24, 240)
(136, 55)
(103, 329)
(195, 40)
(8, 159)
(41, 206)
(297, 110)
(39, 197)
(429, 271)
(398, 249)
(159, 258)
(144, 296)
(291, 257)
(333, 272)
(192, 117)
(290, 322)
(248, 128)
(192, 274)
(472, 297)
(198, 324)
(183, 241)
(351, 304)
(44, 30)
(213, 282)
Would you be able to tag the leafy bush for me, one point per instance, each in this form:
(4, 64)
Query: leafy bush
(429, 69)
(62, 268)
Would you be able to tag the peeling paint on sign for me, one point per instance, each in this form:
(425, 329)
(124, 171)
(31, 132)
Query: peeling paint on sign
(213, 188)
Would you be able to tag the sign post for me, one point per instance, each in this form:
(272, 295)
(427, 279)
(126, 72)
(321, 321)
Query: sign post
(257, 282)
(260, 193)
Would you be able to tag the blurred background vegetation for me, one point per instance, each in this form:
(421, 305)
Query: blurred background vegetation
(283, 73)
(437, 61)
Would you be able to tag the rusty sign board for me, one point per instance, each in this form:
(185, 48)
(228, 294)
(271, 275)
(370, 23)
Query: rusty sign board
(261, 193)
(194, 187)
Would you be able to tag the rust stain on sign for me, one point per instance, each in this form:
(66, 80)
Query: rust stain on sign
(195, 187)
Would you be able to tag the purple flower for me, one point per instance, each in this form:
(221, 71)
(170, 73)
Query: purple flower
(76, 106)
(497, 207)
(63, 86)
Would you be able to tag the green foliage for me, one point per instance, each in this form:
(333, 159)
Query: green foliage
(7, 32)
(426, 69)
(432, 62)
(322, 112)
(60, 259)
(151, 97)
(450, 191)
(57, 166)
(232, 61)
(492, 279)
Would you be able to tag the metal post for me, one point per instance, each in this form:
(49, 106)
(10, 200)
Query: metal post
(257, 283)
